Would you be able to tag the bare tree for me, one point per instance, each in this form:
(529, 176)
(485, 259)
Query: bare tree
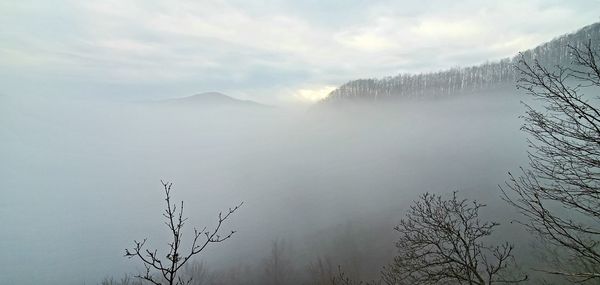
(168, 269)
(197, 272)
(125, 280)
(236, 275)
(320, 272)
(441, 243)
(278, 267)
(559, 193)
(340, 278)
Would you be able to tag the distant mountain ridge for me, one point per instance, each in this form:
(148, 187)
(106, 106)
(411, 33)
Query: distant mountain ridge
(212, 99)
(465, 79)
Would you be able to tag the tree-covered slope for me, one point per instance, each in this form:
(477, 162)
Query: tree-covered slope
(464, 79)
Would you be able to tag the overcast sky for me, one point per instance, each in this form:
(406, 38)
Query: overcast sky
(274, 51)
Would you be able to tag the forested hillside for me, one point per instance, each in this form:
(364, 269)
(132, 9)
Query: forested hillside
(463, 79)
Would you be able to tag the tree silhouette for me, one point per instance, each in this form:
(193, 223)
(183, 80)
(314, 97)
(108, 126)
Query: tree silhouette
(168, 269)
(441, 243)
(559, 193)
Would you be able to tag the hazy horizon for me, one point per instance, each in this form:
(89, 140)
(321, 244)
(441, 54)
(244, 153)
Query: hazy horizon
(88, 129)
(279, 52)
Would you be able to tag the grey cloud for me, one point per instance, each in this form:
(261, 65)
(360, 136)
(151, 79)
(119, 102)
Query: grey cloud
(270, 47)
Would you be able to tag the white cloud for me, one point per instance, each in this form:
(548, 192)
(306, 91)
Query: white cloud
(241, 46)
(313, 94)
(440, 29)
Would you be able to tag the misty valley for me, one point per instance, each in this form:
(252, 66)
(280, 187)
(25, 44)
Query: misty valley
(310, 178)
(482, 174)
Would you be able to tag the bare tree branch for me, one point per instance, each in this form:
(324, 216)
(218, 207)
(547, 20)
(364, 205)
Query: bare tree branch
(168, 269)
(441, 243)
(559, 193)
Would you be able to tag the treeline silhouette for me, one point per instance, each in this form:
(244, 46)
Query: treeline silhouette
(464, 79)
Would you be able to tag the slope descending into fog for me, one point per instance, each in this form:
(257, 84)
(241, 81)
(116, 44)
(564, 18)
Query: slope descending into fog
(81, 179)
(479, 79)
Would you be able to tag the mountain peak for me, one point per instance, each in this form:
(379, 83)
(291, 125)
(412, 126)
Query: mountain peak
(212, 98)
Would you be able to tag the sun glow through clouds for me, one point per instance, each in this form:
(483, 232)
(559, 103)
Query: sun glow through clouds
(314, 94)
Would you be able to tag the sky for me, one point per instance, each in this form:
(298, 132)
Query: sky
(275, 51)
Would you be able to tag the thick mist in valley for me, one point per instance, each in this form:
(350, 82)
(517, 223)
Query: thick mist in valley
(279, 142)
(327, 181)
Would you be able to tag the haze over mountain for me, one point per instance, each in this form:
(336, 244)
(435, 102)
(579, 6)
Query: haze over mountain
(212, 99)
(81, 178)
(480, 78)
